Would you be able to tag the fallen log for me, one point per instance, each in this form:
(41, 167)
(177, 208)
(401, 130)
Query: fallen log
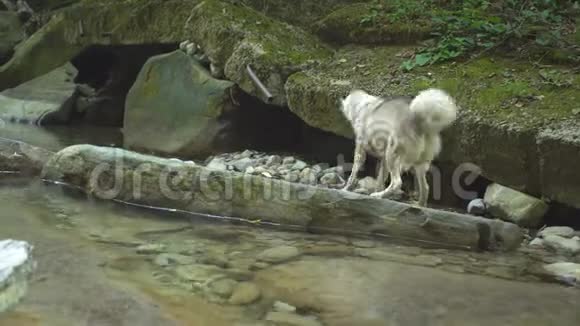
(112, 173)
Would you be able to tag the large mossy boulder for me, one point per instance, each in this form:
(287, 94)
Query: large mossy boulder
(11, 33)
(176, 107)
(518, 123)
(48, 99)
(232, 35)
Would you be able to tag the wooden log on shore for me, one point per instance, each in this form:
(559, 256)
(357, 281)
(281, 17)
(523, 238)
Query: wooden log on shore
(112, 173)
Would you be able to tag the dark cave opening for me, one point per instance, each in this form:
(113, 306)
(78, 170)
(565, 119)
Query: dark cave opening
(107, 73)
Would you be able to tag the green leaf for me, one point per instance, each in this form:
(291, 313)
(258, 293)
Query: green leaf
(422, 59)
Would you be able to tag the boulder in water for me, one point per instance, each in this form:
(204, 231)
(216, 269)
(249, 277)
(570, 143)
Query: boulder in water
(16, 264)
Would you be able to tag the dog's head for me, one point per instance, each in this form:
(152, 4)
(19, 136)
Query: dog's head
(350, 104)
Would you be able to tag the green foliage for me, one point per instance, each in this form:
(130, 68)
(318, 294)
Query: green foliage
(394, 11)
(464, 27)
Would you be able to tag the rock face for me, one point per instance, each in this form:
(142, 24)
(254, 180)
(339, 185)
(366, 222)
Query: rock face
(45, 100)
(179, 103)
(232, 35)
(11, 33)
(514, 206)
(16, 264)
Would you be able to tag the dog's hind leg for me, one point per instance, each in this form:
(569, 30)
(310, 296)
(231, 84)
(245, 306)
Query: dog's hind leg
(359, 159)
(381, 175)
(421, 175)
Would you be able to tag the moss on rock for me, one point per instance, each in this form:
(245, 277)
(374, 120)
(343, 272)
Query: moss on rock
(346, 25)
(234, 36)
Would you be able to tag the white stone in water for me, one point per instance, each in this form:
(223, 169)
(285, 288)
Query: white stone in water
(562, 231)
(279, 254)
(15, 266)
(151, 248)
(191, 163)
(245, 293)
(182, 45)
(250, 170)
(476, 207)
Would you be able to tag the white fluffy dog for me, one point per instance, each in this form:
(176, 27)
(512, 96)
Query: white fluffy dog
(403, 132)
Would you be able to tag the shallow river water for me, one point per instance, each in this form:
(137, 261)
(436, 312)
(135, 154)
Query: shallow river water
(101, 263)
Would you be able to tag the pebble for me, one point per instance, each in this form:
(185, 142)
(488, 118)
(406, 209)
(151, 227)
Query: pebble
(274, 160)
(259, 265)
(280, 306)
(245, 293)
(299, 165)
(242, 164)
(224, 287)
(151, 248)
(250, 170)
(330, 179)
(217, 164)
(292, 176)
(217, 260)
(279, 254)
(291, 319)
(476, 207)
(288, 160)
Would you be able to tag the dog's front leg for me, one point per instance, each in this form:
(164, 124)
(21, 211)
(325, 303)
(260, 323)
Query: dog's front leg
(359, 159)
(395, 171)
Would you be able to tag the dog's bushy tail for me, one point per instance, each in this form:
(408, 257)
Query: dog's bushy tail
(435, 108)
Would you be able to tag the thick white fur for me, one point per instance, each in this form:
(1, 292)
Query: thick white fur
(402, 132)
